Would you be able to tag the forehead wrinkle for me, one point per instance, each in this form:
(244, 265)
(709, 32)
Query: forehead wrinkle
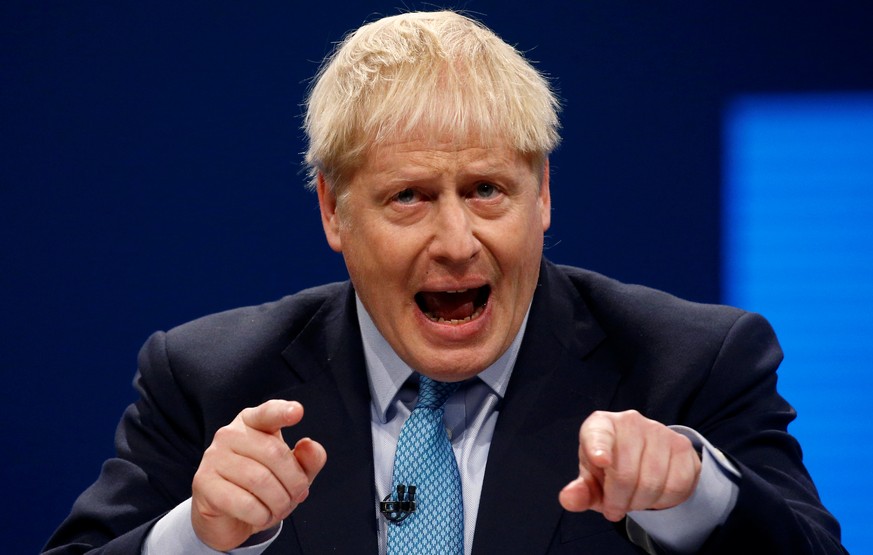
(423, 159)
(499, 163)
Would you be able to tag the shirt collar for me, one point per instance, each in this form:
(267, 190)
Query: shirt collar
(387, 372)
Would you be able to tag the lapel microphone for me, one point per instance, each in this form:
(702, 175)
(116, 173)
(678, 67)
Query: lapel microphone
(397, 511)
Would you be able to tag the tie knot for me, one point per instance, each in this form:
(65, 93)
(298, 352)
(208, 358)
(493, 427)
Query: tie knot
(433, 394)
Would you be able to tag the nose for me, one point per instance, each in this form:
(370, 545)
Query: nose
(454, 241)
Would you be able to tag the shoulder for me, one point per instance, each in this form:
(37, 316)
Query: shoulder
(285, 316)
(247, 343)
(641, 317)
(624, 300)
(673, 354)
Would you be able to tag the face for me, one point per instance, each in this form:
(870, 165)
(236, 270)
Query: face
(443, 242)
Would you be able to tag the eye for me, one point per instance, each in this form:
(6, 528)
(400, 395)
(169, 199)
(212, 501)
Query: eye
(406, 196)
(486, 190)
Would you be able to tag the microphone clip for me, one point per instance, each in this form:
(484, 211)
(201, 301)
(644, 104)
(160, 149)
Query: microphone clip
(397, 511)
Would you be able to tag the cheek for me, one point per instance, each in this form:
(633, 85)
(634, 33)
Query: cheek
(522, 261)
(359, 260)
(522, 243)
(375, 252)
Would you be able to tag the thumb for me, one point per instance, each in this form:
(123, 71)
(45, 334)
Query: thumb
(581, 494)
(311, 456)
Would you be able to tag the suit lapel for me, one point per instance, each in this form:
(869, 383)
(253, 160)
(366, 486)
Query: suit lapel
(533, 454)
(339, 515)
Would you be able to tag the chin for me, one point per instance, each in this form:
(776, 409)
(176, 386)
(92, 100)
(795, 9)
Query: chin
(455, 367)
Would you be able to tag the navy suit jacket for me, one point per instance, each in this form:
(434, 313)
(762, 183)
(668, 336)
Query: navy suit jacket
(591, 343)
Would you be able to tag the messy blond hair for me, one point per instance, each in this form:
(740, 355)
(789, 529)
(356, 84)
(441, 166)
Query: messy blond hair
(440, 71)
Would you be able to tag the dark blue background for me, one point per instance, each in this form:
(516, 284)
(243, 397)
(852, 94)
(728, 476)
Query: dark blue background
(151, 173)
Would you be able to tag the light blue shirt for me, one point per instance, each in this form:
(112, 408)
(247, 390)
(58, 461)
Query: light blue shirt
(470, 417)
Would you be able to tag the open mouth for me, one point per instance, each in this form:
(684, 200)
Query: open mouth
(453, 307)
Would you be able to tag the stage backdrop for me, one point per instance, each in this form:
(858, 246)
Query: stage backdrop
(151, 173)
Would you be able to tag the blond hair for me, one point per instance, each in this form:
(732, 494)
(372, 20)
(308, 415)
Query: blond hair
(439, 70)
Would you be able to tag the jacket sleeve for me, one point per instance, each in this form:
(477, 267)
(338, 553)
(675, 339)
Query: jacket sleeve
(159, 443)
(738, 409)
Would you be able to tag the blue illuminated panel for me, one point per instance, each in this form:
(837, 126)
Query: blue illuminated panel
(798, 248)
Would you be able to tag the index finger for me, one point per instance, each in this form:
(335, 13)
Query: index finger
(597, 439)
(273, 415)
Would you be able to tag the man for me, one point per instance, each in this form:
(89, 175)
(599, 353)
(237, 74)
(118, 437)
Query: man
(587, 416)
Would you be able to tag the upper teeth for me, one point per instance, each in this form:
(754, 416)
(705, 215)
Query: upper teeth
(458, 291)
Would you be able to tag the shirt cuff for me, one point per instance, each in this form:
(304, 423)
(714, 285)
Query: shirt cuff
(684, 528)
(174, 534)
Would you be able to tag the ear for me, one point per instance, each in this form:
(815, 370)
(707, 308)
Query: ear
(329, 218)
(545, 198)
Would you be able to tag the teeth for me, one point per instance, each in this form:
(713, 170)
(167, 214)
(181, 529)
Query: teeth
(458, 291)
(453, 322)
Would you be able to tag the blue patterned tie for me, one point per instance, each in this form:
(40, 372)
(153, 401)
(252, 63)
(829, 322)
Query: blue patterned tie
(424, 458)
